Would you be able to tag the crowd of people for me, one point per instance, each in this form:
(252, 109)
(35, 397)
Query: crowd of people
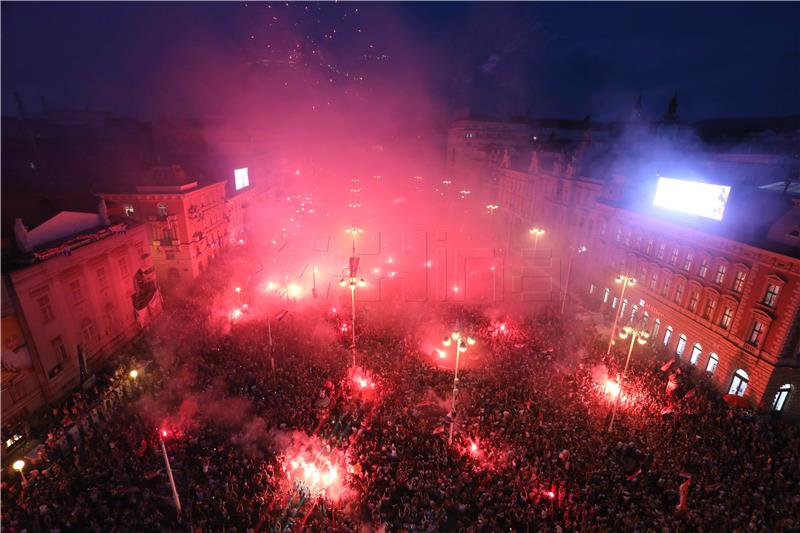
(531, 450)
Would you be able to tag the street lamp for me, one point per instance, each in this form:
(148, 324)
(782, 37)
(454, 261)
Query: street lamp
(492, 208)
(353, 280)
(19, 465)
(575, 249)
(161, 435)
(637, 336)
(134, 374)
(536, 232)
(625, 281)
(461, 344)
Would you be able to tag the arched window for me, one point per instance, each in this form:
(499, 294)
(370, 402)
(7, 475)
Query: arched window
(656, 327)
(739, 383)
(713, 361)
(633, 313)
(681, 345)
(780, 397)
(622, 309)
(605, 295)
(696, 351)
(667, 335)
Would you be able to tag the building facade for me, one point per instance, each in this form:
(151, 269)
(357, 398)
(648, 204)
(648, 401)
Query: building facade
(188, 224)
(78, 289)
(723, 298)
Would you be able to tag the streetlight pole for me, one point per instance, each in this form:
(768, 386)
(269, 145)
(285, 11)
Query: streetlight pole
(625, 280)
(271, 355)
(580, 249)
(460, 346)
(19, 466)
(175, 496)
(636, 335)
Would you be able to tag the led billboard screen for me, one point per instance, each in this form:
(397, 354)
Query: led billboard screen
(241, 179)
(692, 197)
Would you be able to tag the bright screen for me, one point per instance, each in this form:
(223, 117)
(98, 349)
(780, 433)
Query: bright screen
(240, 178)
(692, 197)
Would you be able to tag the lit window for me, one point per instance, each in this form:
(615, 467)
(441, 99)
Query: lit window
(713, 361)
(128, 208)
(703, 270)
(771, 296)
(622, 309)
(678, 299)
(727, 315)
(695, 356)
(661, 248)
(739, 383)
(591, 288)
(687, 262)
(645, 320)
(45, 307)
(719, 277)
(681, 345)
(708, 311)
(656, 327)
(605, 295)
(649, 247)
(667, 335)
(674, 257)
(738, 283)
(614, 302)
(693, 301)
(780, 397)
(756, 331)
(633, 313)
(653, 281)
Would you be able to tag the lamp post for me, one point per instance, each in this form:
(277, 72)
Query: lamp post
(175, 497)
(353, 280)
(19, 466)
(461, 344)
(636, 335)
(625, 281)
(575, 249)
(536, 232)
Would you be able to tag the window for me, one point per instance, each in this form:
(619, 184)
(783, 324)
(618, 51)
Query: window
(656, 327)
(87, 331)
(628, 238)
(719, 277)
(703, 270)
(123, 267)
(168, 234)
(128, 208)
(162, 210)
(708, 311)
(667, 335)
(665, 288)
(739, 383)
(661, 248)
(645, 320)
(102, 279)
(756, 331)
(727, 315)
(713, 361)
(780, 397)
(618, 237)
(693, 301)
(45, 308)
(653, 281)
(633, 313)
(678, 294)
(738, 283)
(605, 295)
(111, 319)
(622, 309)
(771, 296)
(591, 288)
(695, 356)
(681, 345)
(649, 247)
(687, 262)
(76, 290)
(603, 227)
(674, 257)
(614, 302)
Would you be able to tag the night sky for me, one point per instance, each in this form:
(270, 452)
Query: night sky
(546, 59)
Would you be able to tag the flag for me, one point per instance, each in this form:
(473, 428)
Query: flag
(683, 492)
